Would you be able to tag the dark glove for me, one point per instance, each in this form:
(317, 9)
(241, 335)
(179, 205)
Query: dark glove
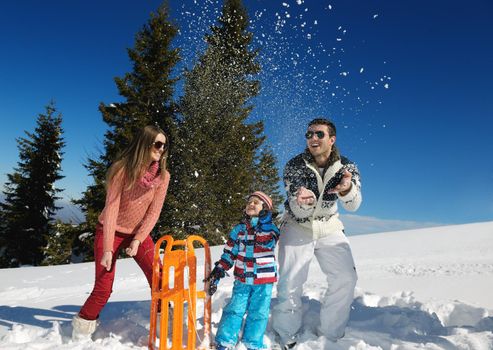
(212, 287)
(216, 274)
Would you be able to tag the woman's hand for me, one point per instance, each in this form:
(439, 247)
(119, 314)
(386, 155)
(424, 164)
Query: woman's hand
(107, 260)
(133, 248)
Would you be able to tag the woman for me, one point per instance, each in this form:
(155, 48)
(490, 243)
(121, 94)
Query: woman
(136, 188)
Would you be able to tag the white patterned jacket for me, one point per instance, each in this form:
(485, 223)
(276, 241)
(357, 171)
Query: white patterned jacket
(322, 217)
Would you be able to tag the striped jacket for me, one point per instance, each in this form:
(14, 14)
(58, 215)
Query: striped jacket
(251, 250)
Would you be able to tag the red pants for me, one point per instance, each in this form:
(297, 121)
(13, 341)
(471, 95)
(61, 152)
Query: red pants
(103, 285)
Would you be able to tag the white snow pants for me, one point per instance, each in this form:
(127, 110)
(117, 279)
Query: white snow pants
(296, 250)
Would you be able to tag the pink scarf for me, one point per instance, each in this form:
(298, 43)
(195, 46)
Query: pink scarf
(151, 176)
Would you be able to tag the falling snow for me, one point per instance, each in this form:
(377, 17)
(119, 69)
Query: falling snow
(300, 74)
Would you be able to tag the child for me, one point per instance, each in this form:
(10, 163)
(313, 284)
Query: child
(250, 248)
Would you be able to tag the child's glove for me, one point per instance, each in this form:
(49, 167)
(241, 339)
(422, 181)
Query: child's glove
(212, 287)
(216, 274)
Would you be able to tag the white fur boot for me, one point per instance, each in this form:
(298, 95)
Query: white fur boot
(82, 328)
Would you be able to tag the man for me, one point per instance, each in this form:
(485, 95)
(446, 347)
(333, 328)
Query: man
(315, 180)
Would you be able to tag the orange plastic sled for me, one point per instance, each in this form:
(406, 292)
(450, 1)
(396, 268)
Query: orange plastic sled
(174, 288)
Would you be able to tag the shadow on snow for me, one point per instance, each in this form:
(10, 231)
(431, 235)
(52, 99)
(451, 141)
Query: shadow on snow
(129, 321)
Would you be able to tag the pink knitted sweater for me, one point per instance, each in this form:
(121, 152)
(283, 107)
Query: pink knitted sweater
(131, 211)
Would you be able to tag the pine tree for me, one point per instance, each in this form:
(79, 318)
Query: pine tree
(30, 192)
(59, 247)
(148, 100)
(267, 177)
(217, 148)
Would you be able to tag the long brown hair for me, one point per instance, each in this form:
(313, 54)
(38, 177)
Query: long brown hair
(135, 159)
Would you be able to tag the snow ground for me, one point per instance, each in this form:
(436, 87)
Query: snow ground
(418, 289)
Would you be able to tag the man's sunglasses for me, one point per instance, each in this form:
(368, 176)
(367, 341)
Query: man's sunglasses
(309, 134)
(158, 145)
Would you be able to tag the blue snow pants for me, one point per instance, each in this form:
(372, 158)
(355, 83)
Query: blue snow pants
(254, 300)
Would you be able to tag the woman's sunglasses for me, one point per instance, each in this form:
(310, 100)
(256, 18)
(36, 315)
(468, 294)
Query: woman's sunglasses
(309, 134)
(158, 145)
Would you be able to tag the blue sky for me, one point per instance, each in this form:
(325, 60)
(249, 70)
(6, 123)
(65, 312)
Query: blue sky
(407, 83)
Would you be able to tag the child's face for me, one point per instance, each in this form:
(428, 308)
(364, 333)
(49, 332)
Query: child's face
(254, 206)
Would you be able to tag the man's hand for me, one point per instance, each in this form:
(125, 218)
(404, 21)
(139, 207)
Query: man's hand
(345, 185)
(106, 260)
(305, 196)
(133, 248)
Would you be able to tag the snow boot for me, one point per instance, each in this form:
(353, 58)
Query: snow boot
(82, 328)
(283, 346)
(289, 345)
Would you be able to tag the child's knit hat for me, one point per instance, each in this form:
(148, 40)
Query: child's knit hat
(264, 198)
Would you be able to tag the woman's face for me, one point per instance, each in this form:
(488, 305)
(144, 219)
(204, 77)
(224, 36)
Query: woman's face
(158, 147)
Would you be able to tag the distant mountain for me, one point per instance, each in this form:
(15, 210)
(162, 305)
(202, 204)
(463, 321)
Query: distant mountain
(67, 213)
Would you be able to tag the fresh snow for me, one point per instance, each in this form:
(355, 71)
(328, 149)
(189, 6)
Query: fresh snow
(418, 289)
